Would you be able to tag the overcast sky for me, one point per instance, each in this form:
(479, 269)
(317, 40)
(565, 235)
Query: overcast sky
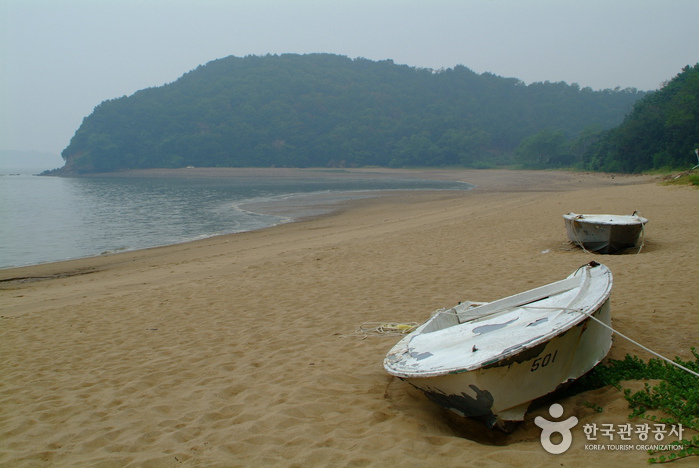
(61, 58)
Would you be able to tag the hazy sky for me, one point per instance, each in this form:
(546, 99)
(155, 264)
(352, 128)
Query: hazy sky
(61, 58)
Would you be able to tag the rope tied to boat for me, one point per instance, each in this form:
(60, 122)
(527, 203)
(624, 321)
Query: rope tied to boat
(643, 237)
(575, 234)
(643, 232)
(641, 346)
(383, 329)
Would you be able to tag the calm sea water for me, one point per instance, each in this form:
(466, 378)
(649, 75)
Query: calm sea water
(46, 219)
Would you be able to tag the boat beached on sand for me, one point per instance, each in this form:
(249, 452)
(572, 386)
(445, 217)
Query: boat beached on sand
(603, 233)
(491, 360)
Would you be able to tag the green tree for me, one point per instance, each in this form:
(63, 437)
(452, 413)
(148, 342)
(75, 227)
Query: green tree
(661, 132)
(546, 149)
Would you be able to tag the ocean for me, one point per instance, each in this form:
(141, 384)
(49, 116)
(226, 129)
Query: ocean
(48, 219)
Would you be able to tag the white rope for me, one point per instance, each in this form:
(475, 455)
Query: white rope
(643, 238)
(383, 329)
(575, 234)
(642, 347)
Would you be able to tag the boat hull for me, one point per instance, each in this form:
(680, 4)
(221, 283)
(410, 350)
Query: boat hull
(503, 391)
(604, 236)
(491, 361)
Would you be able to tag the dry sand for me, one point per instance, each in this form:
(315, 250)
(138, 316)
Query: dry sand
(234, 351)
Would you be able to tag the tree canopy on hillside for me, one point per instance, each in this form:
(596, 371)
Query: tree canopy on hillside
(328, 110)
(662, 131)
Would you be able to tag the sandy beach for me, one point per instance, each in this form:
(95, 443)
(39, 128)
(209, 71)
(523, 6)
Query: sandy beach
(241, 350)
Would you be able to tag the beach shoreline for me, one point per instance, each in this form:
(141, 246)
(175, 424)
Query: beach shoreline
(237, 350)
(482, 180)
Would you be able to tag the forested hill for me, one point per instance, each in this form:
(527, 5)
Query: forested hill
(662, 132)
(329, 110)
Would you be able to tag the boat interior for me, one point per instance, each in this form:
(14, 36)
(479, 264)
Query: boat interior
(474, 311)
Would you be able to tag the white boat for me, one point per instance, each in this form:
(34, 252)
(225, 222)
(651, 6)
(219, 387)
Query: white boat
(604, 233)
(491, 360)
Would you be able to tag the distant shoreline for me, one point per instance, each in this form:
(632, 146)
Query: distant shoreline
(275, 206)
(488, 181)
(520, 178)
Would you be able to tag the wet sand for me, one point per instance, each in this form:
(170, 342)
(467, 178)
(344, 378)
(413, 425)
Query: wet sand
(239, 350)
